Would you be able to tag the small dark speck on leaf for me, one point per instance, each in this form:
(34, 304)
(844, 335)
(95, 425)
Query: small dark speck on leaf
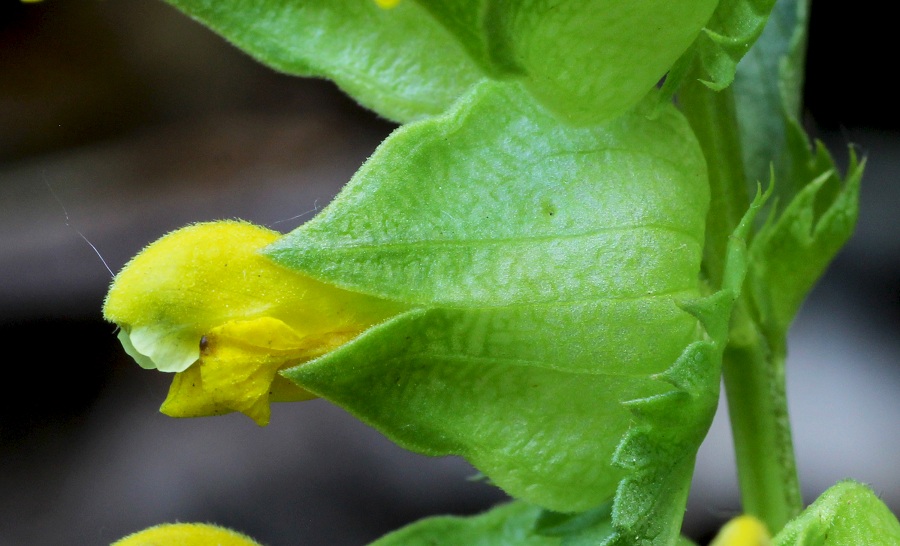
(548, 208)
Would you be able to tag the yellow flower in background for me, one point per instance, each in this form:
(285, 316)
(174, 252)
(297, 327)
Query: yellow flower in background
(387, 4)
(743, 531)
(205, 303)
(186, 534)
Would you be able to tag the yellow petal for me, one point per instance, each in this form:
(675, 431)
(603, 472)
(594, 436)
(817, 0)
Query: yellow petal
(743, 531)
(239, 362)
(186, 534)
(187, 398)
(387, 4)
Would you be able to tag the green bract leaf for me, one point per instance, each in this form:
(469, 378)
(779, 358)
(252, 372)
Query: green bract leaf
(579, 529)
(591, 61)
(660, 448)
(399, 62)
(510, 524)
(847, 514)
(587, 61)
(498, 204)
(767, 89)
(733, 28)
(479, 25)
(542, 260)
(790, 253)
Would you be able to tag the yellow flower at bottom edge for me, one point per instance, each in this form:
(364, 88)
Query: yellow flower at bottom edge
(205, 303)
(186, 534)
(743, 531)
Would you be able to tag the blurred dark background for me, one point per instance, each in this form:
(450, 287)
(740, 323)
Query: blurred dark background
(120, 121)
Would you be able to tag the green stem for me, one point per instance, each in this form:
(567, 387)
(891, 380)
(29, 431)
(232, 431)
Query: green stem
(753, 371)
(757, 407)
(713, 118)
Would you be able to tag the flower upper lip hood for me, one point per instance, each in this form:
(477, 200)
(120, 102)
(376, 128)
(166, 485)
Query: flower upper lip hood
(206, 303)
(180, 286)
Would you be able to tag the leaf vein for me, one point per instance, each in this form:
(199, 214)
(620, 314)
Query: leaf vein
(354, 245)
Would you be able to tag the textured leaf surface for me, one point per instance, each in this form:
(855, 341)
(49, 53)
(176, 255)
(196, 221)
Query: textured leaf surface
(587, 61)
(498, 204)
(590, 61)
(512, 524)
(401, 62)
(579, 529)
(540, 260)
(508, 525)
(479, 27)
(847, 514)
(450, 382)
(659, 450)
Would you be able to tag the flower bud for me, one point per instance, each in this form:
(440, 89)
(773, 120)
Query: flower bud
(205, 303)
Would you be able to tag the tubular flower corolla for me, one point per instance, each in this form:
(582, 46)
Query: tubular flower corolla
(205, 303)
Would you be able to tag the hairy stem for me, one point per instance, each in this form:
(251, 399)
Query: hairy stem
(753, 371)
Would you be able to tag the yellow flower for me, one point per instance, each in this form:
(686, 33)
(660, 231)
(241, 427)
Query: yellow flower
(185, 534)
(743, 531)
(387, 4)
(205, 303)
